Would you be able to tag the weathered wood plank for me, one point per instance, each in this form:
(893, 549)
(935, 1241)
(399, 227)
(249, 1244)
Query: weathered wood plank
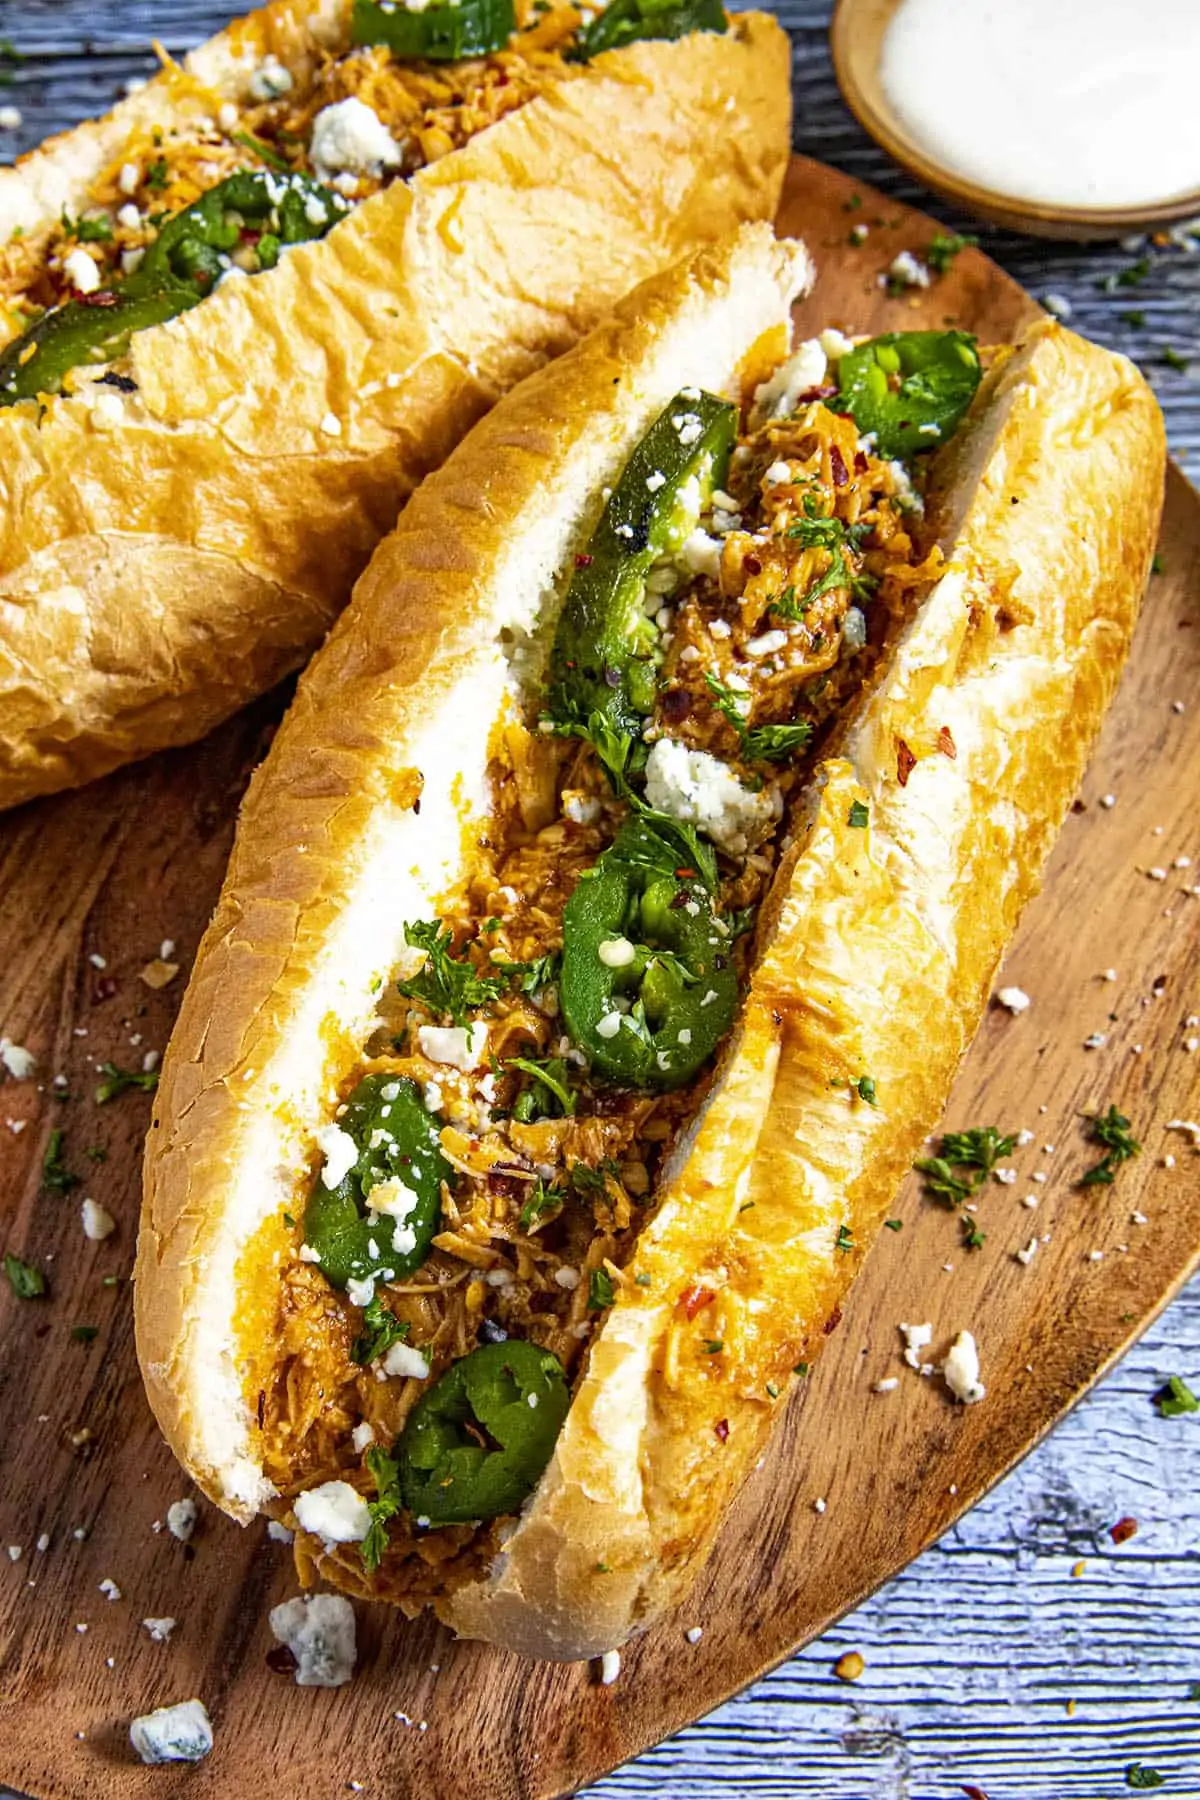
(974, 1651)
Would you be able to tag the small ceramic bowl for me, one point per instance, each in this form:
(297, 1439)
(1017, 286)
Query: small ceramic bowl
(856, 40)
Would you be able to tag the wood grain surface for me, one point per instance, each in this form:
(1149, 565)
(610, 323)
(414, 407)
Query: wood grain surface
(101, 878)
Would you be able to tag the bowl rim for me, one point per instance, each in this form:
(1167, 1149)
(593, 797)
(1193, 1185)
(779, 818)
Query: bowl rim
(994, 203)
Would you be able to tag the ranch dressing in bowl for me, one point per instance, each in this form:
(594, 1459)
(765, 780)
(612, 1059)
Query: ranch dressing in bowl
(1073, 103)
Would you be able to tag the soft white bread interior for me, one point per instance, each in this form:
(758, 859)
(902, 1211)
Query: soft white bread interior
(876, 946)
(167, 555)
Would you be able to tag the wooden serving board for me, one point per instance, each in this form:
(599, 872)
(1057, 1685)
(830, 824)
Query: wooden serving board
(110, 872)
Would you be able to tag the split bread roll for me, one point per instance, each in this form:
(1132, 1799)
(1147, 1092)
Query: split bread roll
(173, 545)
(905, 847)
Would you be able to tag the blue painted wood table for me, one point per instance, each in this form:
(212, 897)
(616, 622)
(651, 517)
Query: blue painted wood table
(1027, 1656)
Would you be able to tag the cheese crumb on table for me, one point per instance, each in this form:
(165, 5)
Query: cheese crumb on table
(610, 1667)
(960, 1370)
(181, 1519)
(180, 1733)
(1014, 998)
(318, 1629)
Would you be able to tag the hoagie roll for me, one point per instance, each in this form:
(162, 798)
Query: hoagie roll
(604, 929)
(243, 314)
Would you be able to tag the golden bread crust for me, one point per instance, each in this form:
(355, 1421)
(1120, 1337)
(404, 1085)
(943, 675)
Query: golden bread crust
(159, 571)
(877, 946)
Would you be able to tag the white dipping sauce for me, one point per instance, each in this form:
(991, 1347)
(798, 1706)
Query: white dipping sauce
(1069, 102)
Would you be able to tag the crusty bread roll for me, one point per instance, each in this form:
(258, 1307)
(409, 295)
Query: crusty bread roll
(159, 569)
(876, 945)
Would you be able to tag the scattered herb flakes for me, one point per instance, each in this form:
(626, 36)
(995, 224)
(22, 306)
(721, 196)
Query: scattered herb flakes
(1174, 360)
(852, 204)
(801, 1369)
(122, 1081)
(83, 1334)
(157, 173)
(381, 1329)
(531, 977)
(55, 1174)
(445, 984)
(1131, 276)
(758, 743)
(893, 1224)
(26, 1282)
(713, 1346)
(1111, 1129)
(973, 1237)
(964, 1161)
(601, 1292)
(1157, 565)
(95, 1153)
(542, 1202)
(865, 1087)
(87, 231)
(859, 815)
(1141, 1775)
(1175, 1398)
(845, 1238)
(385, 1473)
(945, 247)
(1134, 316)
(552, 1078)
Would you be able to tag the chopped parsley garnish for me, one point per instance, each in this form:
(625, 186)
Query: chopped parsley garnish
(381, 1329)
(88, 231)
(120, 1081)
(26, 1282)
(83, 1334)
(95, 1153)
(713, 1346)
(542, 1203)
(1175, 1398)
(964, 1161)
(1135, 317)
(586, 1180)
(859, 816)
(156, 174)
(865, 1087)
(1174, 359)
(530, 977)
(1157, 565)
(845, 1238)
(973, 1238)
(945, 247)
(1141, 1775)
(800, 1369)
(445, 984)
(601, 1292)
(893, 1224)
(757, 743)
(385, 1473)
(549, 1095)
(55, 1174)
(1111, 1129)
(1132, 276)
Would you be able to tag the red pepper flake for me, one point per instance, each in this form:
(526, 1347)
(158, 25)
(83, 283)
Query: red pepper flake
(280, 1660)
(102, 297)
(721, 1429)
(861, 465)
(583, 560)
(105, 989)
(1123, 1530)
(837, 467)
(972, 1792)
(833, 1321)
(946, 743)
(693, 1298)
(906, 762)
(685, 874)
(752, 565)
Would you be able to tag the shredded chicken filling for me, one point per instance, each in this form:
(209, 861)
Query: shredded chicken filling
(784, 600)
(427, 110)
